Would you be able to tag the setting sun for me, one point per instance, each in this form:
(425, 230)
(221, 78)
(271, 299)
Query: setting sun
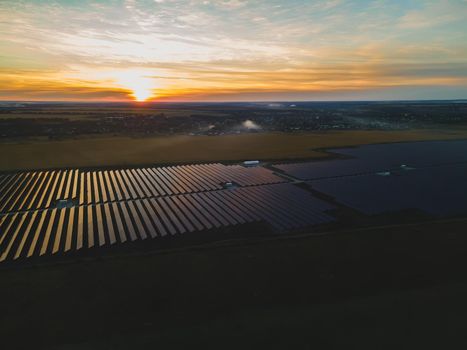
(141, 94)
(140, 85)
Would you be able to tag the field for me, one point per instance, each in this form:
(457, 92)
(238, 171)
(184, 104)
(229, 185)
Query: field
(366, 288)
(124, 151)
(86, 113)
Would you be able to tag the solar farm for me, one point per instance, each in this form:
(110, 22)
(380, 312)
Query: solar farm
(438, 191)
(74, 212)
(379, 158)
(61, 212)
(375, 179)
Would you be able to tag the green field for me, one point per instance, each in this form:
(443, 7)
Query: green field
(118, 151)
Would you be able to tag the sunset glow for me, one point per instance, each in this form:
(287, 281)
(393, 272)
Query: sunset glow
(232, 50)
(141, 94)
(141, 87)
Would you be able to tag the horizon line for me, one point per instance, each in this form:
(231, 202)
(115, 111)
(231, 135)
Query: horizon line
(236, 101)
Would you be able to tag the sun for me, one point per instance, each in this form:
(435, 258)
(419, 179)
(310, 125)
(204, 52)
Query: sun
(141, 86)
(141, 94)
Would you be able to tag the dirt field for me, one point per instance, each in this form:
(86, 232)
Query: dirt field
(176, 149)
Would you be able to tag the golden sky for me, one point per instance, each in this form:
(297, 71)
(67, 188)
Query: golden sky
(232, 50)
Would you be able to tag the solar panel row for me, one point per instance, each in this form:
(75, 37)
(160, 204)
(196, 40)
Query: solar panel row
(35, 190)
(53, 231)
(31, 190)
(285, 206)
(153, 182)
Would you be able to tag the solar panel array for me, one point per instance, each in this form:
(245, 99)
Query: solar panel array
(67, 230)
(33, 190)
(416, 154)
(380, 157)
(439, 191)
(328, 168)
(42, 189)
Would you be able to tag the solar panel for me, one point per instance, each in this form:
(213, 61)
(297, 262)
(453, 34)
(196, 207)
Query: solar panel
(127, 221)
(436, 190)
(146, 221)
(173, 218)
(32, 195)
(110, 186)
(60, 186)
(68, 185)
(379, 157)
(75, 184)
(60, 230)
(137, 220)
(80, 231)
(100, 225)
(81, 188)
(154, 219)
(109, 224)
(12, 237)
(70, 229)
(102, 186)
(26, 234)
(48, 232)
(90, 226)
(161, 214)
(187, 213)
(181, 216)
(37, 233)
(119, 221)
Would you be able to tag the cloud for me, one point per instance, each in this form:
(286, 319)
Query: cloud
(193, 48)
(231, 4)
(434, 14)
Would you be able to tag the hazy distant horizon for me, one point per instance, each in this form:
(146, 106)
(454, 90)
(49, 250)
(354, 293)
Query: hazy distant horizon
(399, 94)
(144, 103)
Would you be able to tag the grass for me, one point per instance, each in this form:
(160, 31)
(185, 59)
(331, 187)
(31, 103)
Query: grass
(109, 151)
(380, 288)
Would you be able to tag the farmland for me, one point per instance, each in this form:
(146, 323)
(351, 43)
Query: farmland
(125, 151)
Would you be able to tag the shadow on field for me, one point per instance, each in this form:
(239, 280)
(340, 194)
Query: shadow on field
(381, 288)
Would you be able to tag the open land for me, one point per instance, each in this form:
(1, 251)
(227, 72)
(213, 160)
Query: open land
(365, 288)
(51, 135)
(125, 151)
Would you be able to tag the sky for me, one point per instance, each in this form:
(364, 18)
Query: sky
(232, 50)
